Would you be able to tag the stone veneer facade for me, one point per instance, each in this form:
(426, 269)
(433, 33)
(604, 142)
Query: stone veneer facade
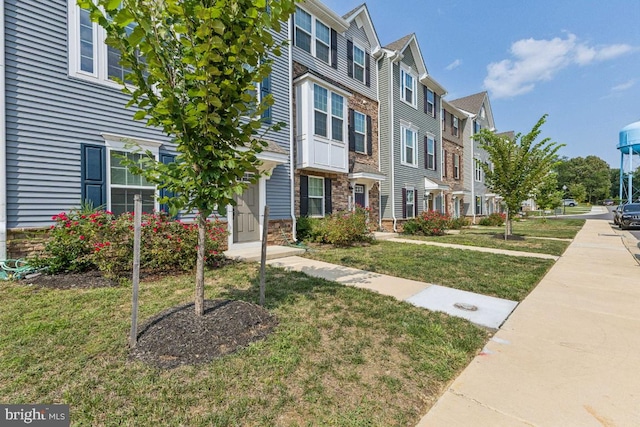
(340, 191)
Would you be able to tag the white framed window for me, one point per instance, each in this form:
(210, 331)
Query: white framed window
(89, 56)
(316, 196)
(410, 203)
(455, 125)
(431, 103)
(431, 152)
(483, 113)
(408, 87)
(456, 166)
(312, 36)
(122, 185)
(478, 170)
(409, 140)
(360, 131)
(479, 205)
(324, 125)
(359, 63)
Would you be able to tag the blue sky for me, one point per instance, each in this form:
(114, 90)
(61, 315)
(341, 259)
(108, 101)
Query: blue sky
(578, 61)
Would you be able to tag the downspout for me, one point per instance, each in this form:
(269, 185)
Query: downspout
(473, 173)
(379, 156)
(291, 137)
(3, 143)
(391, 154)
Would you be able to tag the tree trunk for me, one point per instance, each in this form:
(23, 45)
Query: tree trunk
(507, 226)
(202, 235)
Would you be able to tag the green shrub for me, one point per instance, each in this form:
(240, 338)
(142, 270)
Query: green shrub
(493, 220)
(79, 242)
(458, 223)
(342, 228)
(428, 223)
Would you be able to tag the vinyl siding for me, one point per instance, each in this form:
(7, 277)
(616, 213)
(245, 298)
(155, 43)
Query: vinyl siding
(406, 175)
(50, 114)
(340, 75)
(386, 142)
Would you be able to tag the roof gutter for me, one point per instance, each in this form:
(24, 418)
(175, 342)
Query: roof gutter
(291, 139)
(3, 143)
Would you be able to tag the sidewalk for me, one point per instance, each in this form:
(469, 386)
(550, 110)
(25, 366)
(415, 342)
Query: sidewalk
(569, 355)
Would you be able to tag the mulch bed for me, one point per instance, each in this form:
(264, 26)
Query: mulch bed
(86, 280)
(500, 236)
(178, 337)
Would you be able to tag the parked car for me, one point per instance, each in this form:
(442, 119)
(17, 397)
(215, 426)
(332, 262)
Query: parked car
(630, 216)
(569, 202)
(608, 202)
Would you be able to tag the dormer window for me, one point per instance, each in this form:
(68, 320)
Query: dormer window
(483, 113)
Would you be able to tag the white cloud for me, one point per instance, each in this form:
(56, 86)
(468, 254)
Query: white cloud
(455, 64)
(624, 86)
(539, 60)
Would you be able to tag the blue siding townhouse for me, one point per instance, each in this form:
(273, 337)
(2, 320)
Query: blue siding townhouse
(410, 135)
(63, 121)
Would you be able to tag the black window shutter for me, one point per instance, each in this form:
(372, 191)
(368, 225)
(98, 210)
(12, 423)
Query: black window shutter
(328, 208)
(367, 69)
(435, 155)
(265, 89)
(349, 58)
(304, 195)
(404, 203)
(334, 49)
(415, 202)
(369, 137)
(426, 97)
(293, 30)
(352, 131)
(426, 152)
(444, 119)
(94, 175)
(444, 172)
(166, 159)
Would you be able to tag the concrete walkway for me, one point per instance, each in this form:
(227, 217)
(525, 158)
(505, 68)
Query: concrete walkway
(569, 355)
(486, 311)
(476, 248)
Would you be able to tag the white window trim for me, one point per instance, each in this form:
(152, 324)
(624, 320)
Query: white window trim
(100, 72)
(329, 114)
(477, 170)
(315, 197)
(314, 39)
(364, 63)
(407, 70)
(126, 144)
(456, 166)
(364, 135)
(455, 125)
(408, 126)
(412, 191)
(431, 137)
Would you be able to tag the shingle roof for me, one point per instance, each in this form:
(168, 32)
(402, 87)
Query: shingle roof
(352, 11)
(508, 134)
(364, 168)
(471, 103)
(273, 147)
(399, 44)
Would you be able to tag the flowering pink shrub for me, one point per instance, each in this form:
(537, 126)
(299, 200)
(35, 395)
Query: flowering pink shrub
(101, 240)
(428, 223)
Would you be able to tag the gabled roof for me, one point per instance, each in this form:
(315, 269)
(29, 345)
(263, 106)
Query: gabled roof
(452, 108)
(326, 15)
(400, 44)
(471, 103)
(362, 18)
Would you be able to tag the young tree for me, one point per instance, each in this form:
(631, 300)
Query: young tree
(520, 165)
(194, 67)
(547, 195)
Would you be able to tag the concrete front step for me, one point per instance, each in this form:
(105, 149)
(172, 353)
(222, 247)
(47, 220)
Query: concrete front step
(253, 253)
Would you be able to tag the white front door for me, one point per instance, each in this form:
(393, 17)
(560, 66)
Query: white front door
(246, 224)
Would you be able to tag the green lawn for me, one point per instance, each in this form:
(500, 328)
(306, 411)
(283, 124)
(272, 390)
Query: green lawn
(340, 356)
(538, 227)
(489, 274)
(489, 240)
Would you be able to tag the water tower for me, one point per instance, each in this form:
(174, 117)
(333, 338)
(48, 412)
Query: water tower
(629, 147)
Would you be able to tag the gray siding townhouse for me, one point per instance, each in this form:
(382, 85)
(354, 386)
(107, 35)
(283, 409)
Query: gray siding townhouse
(336, 110)
(453, 129)
(410, 134)
(65, 120)
(478, 109)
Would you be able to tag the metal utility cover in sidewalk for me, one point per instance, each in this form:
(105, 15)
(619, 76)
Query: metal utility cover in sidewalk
(482, 310)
